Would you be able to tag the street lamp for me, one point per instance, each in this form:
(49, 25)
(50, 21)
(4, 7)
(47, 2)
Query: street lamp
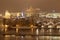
(17, 28)
(6, 26)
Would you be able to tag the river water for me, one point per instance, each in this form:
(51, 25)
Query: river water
(13, 37)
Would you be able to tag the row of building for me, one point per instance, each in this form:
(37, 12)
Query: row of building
(30, 12)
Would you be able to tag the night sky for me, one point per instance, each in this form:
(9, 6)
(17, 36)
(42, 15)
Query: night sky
(18, 5)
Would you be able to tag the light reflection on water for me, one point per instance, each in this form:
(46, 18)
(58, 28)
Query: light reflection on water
(13, 37)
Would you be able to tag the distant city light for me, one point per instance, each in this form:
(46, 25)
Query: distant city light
(7, 14)
(22, 15)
